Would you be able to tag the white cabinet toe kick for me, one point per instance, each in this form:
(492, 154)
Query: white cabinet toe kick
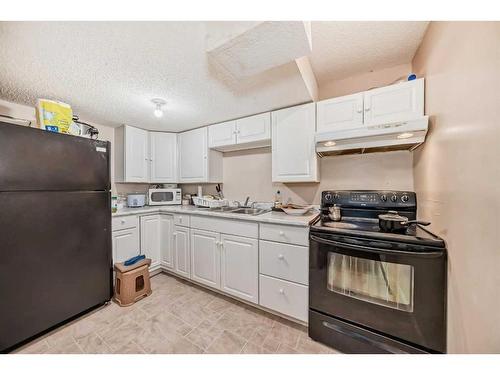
(263, 264)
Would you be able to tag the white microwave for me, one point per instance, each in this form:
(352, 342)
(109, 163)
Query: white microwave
(158, 197)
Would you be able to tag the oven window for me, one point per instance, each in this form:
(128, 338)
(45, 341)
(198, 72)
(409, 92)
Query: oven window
(162, 196)
(382, 283)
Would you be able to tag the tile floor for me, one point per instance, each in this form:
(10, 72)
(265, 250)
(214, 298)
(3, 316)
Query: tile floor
(179, 317)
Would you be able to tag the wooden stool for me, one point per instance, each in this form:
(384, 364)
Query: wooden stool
(132, 282)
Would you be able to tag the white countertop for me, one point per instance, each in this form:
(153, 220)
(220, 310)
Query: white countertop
(269, 217)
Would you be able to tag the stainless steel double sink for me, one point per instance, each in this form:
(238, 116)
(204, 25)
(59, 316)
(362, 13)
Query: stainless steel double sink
(240, 210)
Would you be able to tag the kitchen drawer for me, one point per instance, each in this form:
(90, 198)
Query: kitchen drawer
(284, 296)
(230, 226)
(124, 222)
(285, 233)
(289, 262)
(181, 219)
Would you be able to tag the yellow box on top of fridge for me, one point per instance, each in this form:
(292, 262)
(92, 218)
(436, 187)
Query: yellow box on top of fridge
(55, 116)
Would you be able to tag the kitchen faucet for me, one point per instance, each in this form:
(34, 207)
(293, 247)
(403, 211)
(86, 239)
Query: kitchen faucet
(238, 203)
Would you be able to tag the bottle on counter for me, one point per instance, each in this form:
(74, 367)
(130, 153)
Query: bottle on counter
(114, 204)
(278, 200)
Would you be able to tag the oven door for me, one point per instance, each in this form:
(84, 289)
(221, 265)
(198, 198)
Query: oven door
(398, 293)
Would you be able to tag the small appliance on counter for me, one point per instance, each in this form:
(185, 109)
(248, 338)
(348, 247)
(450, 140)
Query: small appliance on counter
(164, 196)
(136, 200)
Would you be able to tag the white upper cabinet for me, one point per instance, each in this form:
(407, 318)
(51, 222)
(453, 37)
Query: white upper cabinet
(142, 156)
(385, 105)
(400, 102)
(254, 129)
(223, 134)
(248, 132)
(163, 157)
(131, 154)
(197, 163)
(341, 113)
(294, 157)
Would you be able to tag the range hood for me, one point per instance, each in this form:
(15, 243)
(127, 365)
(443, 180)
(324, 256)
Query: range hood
(403, 135)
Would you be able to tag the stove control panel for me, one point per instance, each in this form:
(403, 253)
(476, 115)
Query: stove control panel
(381, 199)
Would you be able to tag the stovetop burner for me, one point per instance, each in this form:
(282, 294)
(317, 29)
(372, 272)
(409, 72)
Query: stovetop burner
(360, 210)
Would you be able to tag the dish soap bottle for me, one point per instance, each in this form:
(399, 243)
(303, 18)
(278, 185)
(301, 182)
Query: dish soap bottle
(278, 200)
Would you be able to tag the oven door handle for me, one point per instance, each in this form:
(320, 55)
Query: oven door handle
(423, 254)
(358, 337)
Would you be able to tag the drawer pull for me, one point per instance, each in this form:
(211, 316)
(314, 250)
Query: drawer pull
(282, 233)
(281, 291)
(122, 221)
(281, 257)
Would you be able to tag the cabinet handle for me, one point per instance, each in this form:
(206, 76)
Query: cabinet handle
(282, 233)
(282, 291)
(281, 257)
(122, 221)
(359, 110)
(174, 234)
(367, 109)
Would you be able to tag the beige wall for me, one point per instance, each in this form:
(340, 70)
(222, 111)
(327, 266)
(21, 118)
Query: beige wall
(457, 173)
(364, 81)
(249, 173)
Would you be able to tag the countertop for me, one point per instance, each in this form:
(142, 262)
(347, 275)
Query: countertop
(269, 217)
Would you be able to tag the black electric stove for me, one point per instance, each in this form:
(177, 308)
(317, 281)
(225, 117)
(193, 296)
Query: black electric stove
(372, 291)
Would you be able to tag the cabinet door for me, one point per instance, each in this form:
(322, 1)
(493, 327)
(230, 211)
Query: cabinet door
(163, 150)
(399, 102)
(240, 267)
(193, 156)
(254, 128)
(223, 134)
(294, 156)
(125, 244)
(167, 248)
(205, 257)
(182, 261)
(341, 113)
(151, 238)
(136, 155)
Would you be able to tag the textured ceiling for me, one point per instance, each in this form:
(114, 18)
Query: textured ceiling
(341, 49)
(110, 71)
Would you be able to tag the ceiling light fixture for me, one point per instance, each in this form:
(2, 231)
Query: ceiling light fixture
(405, 135)
(159, 103)
(330, 143)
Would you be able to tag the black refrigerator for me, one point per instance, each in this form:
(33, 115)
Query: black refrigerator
(55, 230)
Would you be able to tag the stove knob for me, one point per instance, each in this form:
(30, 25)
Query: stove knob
(405, 198)
(394, 198)
(336, 196)
(383, 198)
(328, 197)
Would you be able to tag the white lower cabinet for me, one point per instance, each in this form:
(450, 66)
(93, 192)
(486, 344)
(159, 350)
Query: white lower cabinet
(182, 252)
(284, 296)
(156, 239)
(240, 267)
(125, 244)
(266, 266)
(205, 257)
(150, 238)
(167, 241)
